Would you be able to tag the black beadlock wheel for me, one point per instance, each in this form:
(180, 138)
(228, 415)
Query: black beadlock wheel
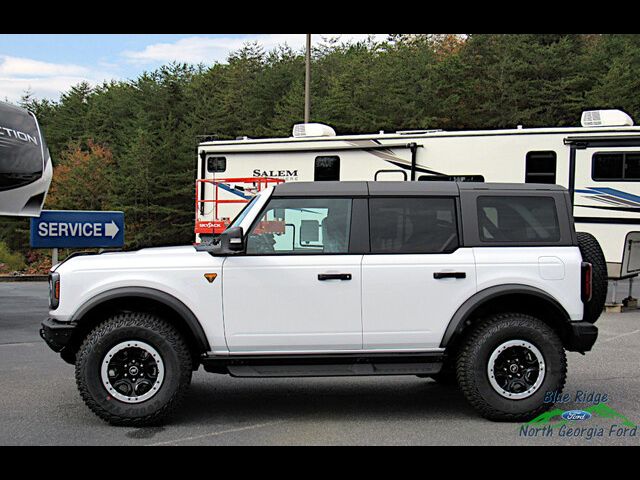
(507, 363)
(133, 369)
(592, 253)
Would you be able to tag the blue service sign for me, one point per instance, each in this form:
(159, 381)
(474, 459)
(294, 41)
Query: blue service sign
(77, 229)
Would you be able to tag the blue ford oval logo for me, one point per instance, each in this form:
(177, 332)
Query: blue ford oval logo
(576, 415)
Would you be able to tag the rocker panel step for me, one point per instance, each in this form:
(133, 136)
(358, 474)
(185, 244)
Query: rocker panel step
(325, 365)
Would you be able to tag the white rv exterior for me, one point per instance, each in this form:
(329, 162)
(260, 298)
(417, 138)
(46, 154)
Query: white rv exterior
(598, 162)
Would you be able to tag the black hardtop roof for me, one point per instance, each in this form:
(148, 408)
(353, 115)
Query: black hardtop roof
(363, 188)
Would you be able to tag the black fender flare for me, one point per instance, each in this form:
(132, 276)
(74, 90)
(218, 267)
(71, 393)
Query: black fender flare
(191, 321)
(457, 322)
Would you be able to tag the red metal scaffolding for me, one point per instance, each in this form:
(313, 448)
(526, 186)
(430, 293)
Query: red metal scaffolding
(250, 186)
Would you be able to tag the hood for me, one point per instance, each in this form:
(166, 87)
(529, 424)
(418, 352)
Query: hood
(146, 258)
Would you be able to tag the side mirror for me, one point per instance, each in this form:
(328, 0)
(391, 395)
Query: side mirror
(229, 242)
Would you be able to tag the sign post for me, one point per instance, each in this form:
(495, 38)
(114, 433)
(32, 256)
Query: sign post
(77, 229)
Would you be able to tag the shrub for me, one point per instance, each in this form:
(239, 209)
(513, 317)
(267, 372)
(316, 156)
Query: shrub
(10, 261)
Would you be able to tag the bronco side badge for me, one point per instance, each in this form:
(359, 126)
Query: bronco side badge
(210, 276)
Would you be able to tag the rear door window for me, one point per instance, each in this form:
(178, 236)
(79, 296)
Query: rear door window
(518, 219)
(413, 225)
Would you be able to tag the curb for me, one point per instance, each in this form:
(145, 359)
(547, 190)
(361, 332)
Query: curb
(23, 278)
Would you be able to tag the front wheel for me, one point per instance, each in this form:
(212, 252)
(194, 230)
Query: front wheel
(508, 363)
(133, 369)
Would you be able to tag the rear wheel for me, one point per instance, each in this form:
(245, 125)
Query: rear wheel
(508, 363)
(133, 369)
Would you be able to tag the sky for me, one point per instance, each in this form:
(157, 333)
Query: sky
(48, 65)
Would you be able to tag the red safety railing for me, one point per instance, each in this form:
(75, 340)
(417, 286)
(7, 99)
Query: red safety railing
(250, 186)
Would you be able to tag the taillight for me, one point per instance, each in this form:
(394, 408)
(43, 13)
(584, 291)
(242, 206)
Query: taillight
(54, 290)
(587, 281)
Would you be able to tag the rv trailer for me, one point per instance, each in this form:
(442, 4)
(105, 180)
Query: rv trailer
(599, 162)
(25, 163)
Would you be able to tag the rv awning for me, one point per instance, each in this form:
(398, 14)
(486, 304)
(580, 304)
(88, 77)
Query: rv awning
(209, 149)
(602, 141)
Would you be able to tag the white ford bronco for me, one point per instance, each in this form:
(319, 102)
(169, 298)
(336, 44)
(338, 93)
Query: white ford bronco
(486, 285)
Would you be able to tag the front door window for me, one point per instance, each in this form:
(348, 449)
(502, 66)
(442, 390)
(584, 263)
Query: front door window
(302, 226)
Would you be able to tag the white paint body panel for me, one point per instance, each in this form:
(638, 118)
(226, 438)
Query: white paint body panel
(178, 271)
(521, 265)
(403, 306)
(277, 303)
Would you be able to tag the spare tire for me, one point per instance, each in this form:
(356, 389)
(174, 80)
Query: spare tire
(592, 253)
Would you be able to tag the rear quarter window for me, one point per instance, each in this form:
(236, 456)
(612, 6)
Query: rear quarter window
(518, 219)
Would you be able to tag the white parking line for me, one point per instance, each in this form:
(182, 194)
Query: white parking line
(619, 336)
(213, 434)
(18, 343)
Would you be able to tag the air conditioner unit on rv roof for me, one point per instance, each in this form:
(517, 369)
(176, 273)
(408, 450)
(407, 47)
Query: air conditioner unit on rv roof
(606, 118)
(313, 130)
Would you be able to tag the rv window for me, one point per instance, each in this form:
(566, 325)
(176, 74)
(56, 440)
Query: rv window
(632, 166)
(302, 225)
(413, 225)
(327, 169)
(216, 164)
(619, 166)
(518, 219)
(540, 167)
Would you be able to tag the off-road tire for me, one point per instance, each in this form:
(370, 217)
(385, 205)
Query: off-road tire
(154, 331)
(592, 253)
(475, 351)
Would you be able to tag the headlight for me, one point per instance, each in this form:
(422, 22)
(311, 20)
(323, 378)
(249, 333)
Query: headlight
(54, 290)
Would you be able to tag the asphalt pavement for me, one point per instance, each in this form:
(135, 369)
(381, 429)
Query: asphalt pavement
(40, 405)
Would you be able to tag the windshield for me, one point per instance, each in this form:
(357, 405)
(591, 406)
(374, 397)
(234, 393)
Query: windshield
(243, 213)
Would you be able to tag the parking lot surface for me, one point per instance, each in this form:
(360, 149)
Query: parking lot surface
(41, 406)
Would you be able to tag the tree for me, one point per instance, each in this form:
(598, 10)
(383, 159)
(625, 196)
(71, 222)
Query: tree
(617, 86)
(533, 80)
(82, 180)
(68, 121)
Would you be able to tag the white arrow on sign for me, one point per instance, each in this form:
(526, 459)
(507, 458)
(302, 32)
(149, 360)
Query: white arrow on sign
(111, 229)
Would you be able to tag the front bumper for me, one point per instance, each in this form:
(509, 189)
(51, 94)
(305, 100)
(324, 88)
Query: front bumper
(57, 334)
(581, 336)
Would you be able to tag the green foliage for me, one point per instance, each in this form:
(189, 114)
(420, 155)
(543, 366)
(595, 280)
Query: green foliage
(10, 261)
(134, 142)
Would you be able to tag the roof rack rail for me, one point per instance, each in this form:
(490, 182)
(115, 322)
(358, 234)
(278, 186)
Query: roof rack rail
(413, 132)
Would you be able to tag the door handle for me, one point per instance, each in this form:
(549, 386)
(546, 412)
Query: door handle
(334, 276)
(439, 275)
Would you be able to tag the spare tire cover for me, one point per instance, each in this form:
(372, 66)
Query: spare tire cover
(592, 253)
